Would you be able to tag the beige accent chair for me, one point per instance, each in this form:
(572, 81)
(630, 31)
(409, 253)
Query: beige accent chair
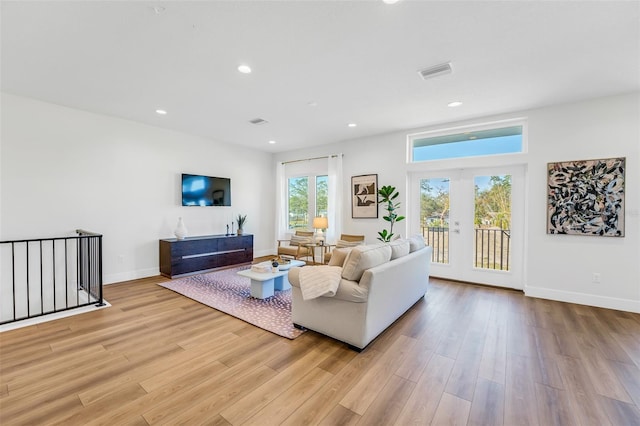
(295, 247)
(345, 240)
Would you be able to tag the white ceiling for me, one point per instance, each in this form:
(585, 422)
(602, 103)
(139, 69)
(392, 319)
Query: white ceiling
(358, 60)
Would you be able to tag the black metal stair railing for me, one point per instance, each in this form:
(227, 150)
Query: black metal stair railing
(48, 275)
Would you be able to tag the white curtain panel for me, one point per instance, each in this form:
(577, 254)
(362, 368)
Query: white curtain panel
(281, 202)
(335, 200)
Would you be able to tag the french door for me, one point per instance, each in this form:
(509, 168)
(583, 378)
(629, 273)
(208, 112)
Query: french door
(474, 221)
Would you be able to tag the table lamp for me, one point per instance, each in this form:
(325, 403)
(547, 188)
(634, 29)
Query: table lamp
(320, 223)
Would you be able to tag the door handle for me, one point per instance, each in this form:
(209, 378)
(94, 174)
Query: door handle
(457, 231)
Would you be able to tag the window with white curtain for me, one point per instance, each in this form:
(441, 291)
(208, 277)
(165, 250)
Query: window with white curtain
(308, 189)
(306, 198)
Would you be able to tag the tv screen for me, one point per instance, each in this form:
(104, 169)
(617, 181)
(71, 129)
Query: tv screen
(200, 190)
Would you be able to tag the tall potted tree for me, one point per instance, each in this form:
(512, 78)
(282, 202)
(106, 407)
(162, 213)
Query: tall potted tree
(387, 195)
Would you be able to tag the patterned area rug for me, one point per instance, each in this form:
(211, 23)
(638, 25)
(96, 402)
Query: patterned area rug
(228, 292)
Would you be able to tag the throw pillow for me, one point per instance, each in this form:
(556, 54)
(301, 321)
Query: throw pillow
(297, 240)
(362, 258)
(416, 242)
(338, 255)
(399, 248)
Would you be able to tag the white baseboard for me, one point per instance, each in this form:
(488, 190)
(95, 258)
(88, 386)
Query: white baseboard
(50, 317)
(261, 253)
(583, 299)
(130, 275)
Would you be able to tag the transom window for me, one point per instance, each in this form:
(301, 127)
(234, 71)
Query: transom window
(480, 142)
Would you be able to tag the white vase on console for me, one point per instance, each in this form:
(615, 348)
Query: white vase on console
(181, 230)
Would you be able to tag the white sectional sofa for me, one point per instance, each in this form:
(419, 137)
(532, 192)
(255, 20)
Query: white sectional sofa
(378, 284)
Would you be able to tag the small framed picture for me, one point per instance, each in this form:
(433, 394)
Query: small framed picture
(364, 196)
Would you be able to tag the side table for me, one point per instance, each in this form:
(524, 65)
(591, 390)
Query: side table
(313, 247)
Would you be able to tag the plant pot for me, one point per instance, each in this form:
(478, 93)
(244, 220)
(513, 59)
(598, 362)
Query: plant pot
(239, 231)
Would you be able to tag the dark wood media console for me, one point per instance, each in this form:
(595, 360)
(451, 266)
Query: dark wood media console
(200, 254)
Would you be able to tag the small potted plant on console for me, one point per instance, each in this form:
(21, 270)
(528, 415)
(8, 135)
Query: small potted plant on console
(241, 219)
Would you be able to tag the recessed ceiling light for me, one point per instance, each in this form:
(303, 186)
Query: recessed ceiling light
(454, 104)
(161, 112)
(352, 124)
(244, 69)
(390, 1)
(272, 142)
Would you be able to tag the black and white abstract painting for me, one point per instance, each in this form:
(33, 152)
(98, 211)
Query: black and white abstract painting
(586, 197)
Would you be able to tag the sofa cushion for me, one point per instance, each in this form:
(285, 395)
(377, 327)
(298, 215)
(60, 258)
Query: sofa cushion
(416, 242)
(399, 248)
(338, 256)
(361, 258)
(352, 292)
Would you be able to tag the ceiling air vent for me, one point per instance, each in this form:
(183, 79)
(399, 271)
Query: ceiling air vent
(435, 70)
(258, 121)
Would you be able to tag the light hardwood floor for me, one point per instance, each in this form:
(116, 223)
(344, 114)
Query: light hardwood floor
(464, 354)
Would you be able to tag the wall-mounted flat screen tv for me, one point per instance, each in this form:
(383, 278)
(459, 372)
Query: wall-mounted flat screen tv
(200, 190)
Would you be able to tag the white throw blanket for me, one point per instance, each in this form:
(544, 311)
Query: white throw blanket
(316, 281)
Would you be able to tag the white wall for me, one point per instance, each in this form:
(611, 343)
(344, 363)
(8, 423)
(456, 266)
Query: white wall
(561, 266)
(63, 169)
(557, 267)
